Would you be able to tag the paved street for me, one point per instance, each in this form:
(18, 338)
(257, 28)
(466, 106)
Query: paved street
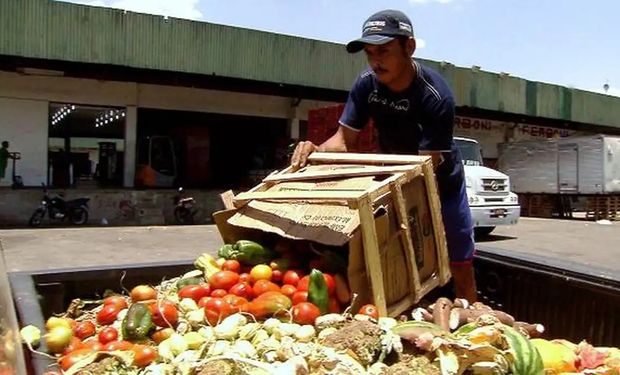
(583, 242)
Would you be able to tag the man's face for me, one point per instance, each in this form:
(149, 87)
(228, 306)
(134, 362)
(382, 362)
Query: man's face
(389, 60)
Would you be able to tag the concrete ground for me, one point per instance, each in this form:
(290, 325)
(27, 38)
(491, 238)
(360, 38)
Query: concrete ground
(583, 243)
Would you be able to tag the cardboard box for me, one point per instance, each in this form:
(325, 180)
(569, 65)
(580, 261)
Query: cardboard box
(382, 209)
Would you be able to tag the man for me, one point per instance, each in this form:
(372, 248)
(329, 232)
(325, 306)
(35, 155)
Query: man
(4, 158)
(413, 111)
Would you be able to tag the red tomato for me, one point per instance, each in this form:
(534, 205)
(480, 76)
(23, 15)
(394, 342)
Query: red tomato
(245, 278)
(263, 286)
(331, 284)
(235, 301)
(144, 355)
(72, 358)
(162, 334)
(223, 279)
(219, 293)
(291, 277)
(232, 265)
(195, 292)
(242, 290)
(118, 345)
(217, 309)
(165, 313)
(108, 334)
(305, 313)
(334, 305)
(119, 301)
(93, 344)
(303, 284)
(74, 344)
(370, 310)
(203, 301)
(107, 315)
(84, 329)
(288, 290)
(300, 296)
(276, 276)
(143, 293)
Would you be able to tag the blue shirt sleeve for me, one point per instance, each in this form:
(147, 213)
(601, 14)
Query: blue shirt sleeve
(356, 113)
(438, 127)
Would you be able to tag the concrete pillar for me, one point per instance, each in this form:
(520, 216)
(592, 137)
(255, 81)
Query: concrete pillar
(131, 132)
(293, 119)
(293, 125)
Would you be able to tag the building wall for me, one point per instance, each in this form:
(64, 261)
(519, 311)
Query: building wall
(24, 102)
(20, 124)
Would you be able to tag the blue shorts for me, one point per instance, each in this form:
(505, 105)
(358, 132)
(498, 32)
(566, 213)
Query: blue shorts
(458, 225)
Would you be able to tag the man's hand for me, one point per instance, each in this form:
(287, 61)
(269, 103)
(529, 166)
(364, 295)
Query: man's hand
(301, 153)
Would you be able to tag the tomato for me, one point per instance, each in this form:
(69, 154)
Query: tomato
(305, 313)
(262, 286)
(203, 301)
(144, 355)
(93, 344)
(54, 321)
(288, 290)
(370, 310)
(143, 293)
(300, 296)
(74, 344)
(119, 301)
(118, 345)
(334, 305)
(276, 276)
(84, 329)
(232, 265)
(223, 280)
(217, 309)
(58, 339)
(291, 277)
(107, 315)
(245, 278)
(107, 334)
(195, 292)
(162, 334)
(235, 301)
(303, 284)
(261, 272)
(219, 293)
(242, 290)
(165, 313)
(68, 360)
(331, 284)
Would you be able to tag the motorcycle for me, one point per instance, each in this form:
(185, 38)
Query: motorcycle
(76, 210)
(184, 208)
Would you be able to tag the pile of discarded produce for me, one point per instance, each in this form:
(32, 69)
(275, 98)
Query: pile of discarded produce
(249, 312)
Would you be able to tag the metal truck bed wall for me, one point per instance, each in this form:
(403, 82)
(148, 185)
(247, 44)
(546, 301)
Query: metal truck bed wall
(570, 304)
(571, 165)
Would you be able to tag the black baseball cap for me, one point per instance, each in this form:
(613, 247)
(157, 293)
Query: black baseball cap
(382, 27)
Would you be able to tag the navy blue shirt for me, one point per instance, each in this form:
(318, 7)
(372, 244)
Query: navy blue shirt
(420, 118)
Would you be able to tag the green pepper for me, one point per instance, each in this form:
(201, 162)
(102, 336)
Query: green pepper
(224, 251)
(251, 253)
(317, 291)
(190, 281)
(138, 322)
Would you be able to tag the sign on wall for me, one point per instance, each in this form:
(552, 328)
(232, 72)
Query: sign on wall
(488, 133)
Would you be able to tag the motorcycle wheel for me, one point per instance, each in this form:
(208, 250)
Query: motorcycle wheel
(78, 216)
(36, 218)
(183, 216)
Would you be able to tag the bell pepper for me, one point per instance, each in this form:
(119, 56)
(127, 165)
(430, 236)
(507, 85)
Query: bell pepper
(190, 281)
(251, 253)
(138, 322)
(224, 251)
(317, 291)
(207, 264)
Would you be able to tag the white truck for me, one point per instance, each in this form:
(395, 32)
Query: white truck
(488, 191)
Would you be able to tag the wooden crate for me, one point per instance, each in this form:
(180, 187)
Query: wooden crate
(394, 231)
(603, 207)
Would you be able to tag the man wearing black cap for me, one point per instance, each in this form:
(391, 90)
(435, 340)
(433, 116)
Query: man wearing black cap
(413, 111)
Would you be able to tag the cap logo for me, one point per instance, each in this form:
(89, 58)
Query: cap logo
(404, 26)
(374, 25)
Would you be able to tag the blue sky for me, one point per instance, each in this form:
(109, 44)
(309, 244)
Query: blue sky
(568, 42)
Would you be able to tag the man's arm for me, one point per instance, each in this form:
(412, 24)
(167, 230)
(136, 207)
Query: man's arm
(342, 141)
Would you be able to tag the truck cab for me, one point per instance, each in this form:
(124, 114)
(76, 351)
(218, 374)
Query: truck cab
(488, 191)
